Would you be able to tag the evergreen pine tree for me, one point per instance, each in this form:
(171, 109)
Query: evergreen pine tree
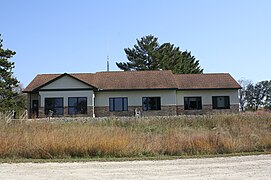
(142, 56)
(147, 54)
(7, 81)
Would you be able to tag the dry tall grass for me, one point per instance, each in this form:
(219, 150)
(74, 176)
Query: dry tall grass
(183, 135)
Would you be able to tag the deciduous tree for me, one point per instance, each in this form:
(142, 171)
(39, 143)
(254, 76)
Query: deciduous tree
(251, 96)
(242, 93)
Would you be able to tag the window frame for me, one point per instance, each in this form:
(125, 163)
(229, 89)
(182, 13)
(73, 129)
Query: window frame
(227, 104)
(124, 105)
(46, 108)
(77, 100)
(199, 103)
(148, 107)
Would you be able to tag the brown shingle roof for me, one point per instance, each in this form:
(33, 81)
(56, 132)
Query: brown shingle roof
(206, 81)
(137, 80)
(118, 80)
(40, 80)
(88, 78)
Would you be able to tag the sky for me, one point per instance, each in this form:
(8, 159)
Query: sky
(58, 36)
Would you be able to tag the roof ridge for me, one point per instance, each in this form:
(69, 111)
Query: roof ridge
(132, 71)
(81, 73)
(203, 74)
(61, 73)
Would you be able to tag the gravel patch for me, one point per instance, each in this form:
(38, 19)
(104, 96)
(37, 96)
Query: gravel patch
(239, 167)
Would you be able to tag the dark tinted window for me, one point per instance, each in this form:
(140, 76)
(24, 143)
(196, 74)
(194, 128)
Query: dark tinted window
(77, 105)
(118, 104)
(221, 102)
(55, 105)
(192, 103)
(151, 103)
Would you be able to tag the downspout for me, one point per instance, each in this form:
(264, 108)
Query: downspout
(93, 105)
(30, 107)
(39, 105)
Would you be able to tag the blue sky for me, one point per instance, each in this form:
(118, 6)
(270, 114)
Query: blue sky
(57, 36)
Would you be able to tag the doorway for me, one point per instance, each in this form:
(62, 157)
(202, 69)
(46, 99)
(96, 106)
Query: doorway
(35, 108)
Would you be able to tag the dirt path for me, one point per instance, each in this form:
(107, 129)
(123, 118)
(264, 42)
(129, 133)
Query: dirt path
(245, 167)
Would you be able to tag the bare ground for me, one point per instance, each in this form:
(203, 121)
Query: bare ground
(241, 167)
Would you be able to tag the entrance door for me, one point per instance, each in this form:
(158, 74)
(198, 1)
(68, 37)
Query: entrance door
(35, 108)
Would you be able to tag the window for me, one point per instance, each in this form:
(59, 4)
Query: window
(192, 103)
(77, 105)
(55, 105)
(151, 103)
(221, 102)
(118, 104)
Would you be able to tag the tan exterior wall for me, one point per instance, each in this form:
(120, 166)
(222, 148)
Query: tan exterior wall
(65, 82)
(172, 102)
(66, 95)
(168, 97)
(206, 109)
(206, 95)
(165, 111)
(66, 112)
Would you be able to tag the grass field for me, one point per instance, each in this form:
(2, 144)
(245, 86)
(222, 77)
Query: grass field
(146, 137)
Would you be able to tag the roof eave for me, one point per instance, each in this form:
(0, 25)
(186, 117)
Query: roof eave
(26, 91)
(190, 89)
(139, 89)
(58, 77)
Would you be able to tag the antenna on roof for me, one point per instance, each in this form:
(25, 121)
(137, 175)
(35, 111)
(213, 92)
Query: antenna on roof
(107, 64)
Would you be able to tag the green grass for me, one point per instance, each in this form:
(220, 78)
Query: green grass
(131, 139)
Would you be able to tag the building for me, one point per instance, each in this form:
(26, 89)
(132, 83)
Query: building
(120, 93)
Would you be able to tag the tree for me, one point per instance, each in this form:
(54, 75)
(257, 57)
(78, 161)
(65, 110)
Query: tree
(242, 93)
(188, 64)
(268, 97)
(251, 96)
(143, 56)
(7, 81)
(264, 93)
(147, 54)
(20, 99)
(267, 104)
(260, 93)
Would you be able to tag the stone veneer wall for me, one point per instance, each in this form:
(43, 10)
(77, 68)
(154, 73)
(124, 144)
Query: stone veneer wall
(206, 109)
(165, 111)
(169, 110)
(41, 112)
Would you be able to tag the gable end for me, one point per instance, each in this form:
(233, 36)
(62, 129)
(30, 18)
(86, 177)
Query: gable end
(65, 82)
